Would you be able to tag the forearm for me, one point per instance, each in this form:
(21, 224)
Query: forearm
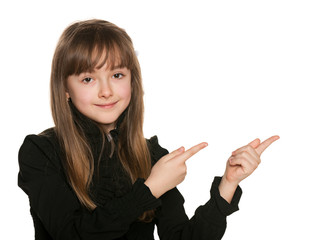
(173, 223)
(209, 221)
(227, 189)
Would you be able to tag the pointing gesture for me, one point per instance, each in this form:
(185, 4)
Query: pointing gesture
(170, 170)
(241, 164)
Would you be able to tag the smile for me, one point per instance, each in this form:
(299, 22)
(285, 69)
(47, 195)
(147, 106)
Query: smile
(107, 105)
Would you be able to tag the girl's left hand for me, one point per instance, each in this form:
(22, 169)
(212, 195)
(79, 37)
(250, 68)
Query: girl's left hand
(245, 160)
(241, 164)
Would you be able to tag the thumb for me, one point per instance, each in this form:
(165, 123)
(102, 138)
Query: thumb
(255, 143)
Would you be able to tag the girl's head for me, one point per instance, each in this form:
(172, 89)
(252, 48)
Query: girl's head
(95, 69)
(88, 53)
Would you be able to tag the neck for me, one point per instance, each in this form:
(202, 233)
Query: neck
(108, 127)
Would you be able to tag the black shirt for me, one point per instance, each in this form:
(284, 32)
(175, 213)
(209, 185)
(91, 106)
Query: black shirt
(58, 214)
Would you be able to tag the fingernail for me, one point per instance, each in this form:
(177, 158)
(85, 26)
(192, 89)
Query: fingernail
(181, 149)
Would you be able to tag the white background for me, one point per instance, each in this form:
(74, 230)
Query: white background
(224, 72)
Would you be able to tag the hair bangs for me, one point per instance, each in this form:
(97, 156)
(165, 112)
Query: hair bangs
(93, 50)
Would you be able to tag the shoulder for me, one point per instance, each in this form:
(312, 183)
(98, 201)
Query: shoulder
(44, 141)
(39, 146)
(155, 149)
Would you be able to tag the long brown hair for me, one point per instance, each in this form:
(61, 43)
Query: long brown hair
(81, 48)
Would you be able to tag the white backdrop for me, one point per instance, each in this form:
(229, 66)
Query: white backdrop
(224, 72)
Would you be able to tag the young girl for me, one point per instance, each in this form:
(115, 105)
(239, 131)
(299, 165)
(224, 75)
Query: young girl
(94, 175)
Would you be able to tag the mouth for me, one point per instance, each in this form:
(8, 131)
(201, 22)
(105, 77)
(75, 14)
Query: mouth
(106, 105)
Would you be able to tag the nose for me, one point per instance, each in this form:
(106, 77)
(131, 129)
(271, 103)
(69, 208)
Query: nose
(105, 90)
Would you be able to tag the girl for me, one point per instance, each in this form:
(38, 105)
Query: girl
(94, 175)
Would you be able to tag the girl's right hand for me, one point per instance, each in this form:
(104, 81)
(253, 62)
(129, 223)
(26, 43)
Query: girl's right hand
(170, 170)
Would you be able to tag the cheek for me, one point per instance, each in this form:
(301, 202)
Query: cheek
(81, 96)
(125, 92)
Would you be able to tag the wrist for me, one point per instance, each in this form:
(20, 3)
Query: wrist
(152, 188)
(230, 183)
(227, 188)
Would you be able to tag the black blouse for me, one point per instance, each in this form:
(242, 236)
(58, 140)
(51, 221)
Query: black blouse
(58, 214)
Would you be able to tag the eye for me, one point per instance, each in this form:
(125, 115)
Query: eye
(87, 80)
(118, 75)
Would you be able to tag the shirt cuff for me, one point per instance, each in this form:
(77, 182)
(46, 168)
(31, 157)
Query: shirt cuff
(224, 207)
(144, 198)
(133, 204)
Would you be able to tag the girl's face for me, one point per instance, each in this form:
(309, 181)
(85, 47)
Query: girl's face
(101, 95)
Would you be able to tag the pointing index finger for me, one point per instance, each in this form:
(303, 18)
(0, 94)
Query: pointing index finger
(190, 152)
(260, 149)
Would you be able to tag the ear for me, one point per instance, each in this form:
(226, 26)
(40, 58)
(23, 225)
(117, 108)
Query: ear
(67, 95)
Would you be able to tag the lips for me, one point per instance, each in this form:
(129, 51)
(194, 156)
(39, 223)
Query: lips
(106, 105)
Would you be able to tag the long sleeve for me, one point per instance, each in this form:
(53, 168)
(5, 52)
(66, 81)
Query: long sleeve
(55, 204)
(209, 220)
